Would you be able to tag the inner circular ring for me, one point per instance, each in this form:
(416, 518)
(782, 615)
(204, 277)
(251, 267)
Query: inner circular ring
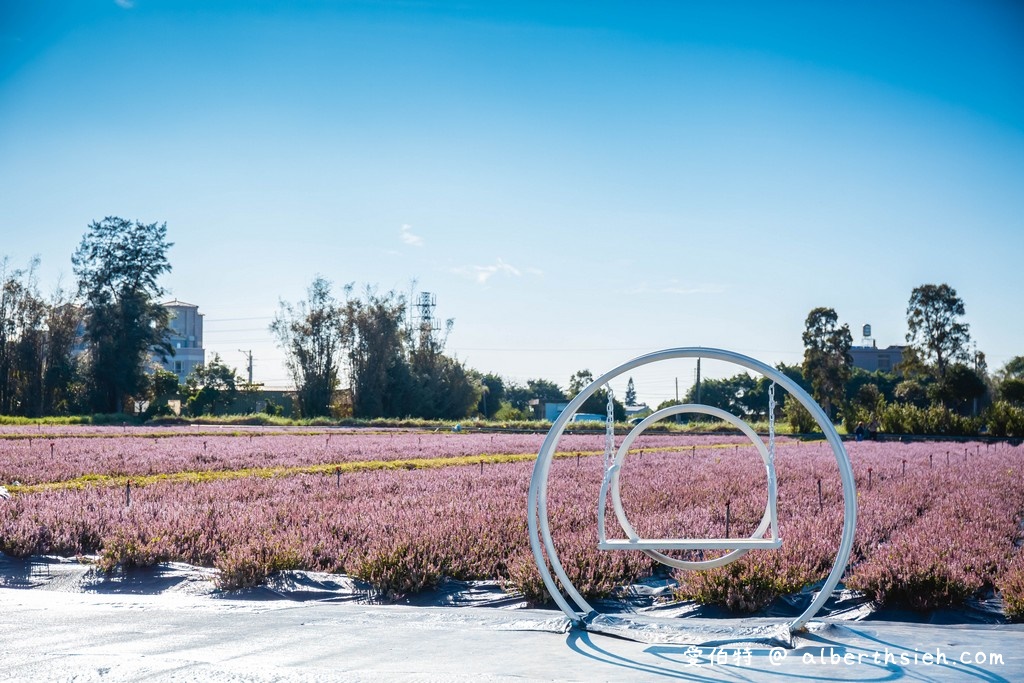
(620, 457)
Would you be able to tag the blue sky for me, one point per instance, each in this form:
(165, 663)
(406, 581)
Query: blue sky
(577, 183)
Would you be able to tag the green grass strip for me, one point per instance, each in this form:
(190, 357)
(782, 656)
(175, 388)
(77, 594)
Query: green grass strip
(271, 472)
(46, 436)
(201, 476)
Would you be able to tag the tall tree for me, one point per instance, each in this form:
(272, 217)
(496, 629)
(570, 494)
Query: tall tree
(579, 381)
(37, 370)
(310, 333)
(630, 398)
(1010, 381)
(491, 395)
(22, 341)
(519, 395)
(441, 386)
(734, 394)
(374, 337)
(62, 388)
(827, 361)
(598, 401)
(211, 387)
(545, 390)
(935, 328)
(118, 265)
(960, 389)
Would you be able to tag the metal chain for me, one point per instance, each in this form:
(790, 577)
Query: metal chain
(771, 421)
(609, 429)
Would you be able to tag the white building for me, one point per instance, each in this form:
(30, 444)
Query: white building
(872, 358)
(186, 338)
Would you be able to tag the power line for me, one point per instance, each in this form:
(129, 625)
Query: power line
(237, 329)
(231, 320)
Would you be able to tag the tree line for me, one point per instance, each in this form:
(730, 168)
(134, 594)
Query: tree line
(941, 386)
(113, 314)
(390, 353)
(93, 350)
(370, 354)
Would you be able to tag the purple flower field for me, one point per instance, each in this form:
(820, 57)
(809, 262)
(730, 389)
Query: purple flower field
(930, 532)
(30, 460)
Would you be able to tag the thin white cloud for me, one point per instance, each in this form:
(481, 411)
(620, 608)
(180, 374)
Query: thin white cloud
(481, 274)
(701, 289)
(675, 288)
(125, 4)
(408, 237)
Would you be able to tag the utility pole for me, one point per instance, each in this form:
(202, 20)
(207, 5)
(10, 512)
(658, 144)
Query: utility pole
(977, 371)
(248, 355)
(698, 380)
(677, 398)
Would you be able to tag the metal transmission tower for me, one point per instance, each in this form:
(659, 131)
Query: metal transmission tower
(425, 306)
(424, 323)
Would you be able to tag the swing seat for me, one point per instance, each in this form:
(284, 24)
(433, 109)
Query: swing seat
(688, 543)
(610, 487)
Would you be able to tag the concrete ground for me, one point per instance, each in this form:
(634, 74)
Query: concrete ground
(48, 635)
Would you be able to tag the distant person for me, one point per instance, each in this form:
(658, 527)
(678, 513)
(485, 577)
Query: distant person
(873, 430)
(859, 431)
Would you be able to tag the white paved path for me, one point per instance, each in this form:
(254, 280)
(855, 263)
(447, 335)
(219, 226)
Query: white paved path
(57, 636)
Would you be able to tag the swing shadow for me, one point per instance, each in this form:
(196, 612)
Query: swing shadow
(962, 671)
(717, 661)
(581, 642)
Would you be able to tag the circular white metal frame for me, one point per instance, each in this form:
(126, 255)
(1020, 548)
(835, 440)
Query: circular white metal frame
(537, 505)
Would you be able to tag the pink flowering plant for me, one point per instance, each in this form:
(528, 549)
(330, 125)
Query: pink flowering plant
(932, 530)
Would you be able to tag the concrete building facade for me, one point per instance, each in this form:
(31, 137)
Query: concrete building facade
(872, 358)
(186, 338)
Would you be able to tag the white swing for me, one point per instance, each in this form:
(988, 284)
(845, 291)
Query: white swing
(653, 546)
(553, 572)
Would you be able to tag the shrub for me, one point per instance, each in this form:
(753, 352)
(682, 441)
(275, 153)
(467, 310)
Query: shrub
(401, 570)
(922, 584)
(901, 418)
(128, 550)
(799, 419)
(247, 566)
(1004, 419)
(1011, 585)
(747, 585)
